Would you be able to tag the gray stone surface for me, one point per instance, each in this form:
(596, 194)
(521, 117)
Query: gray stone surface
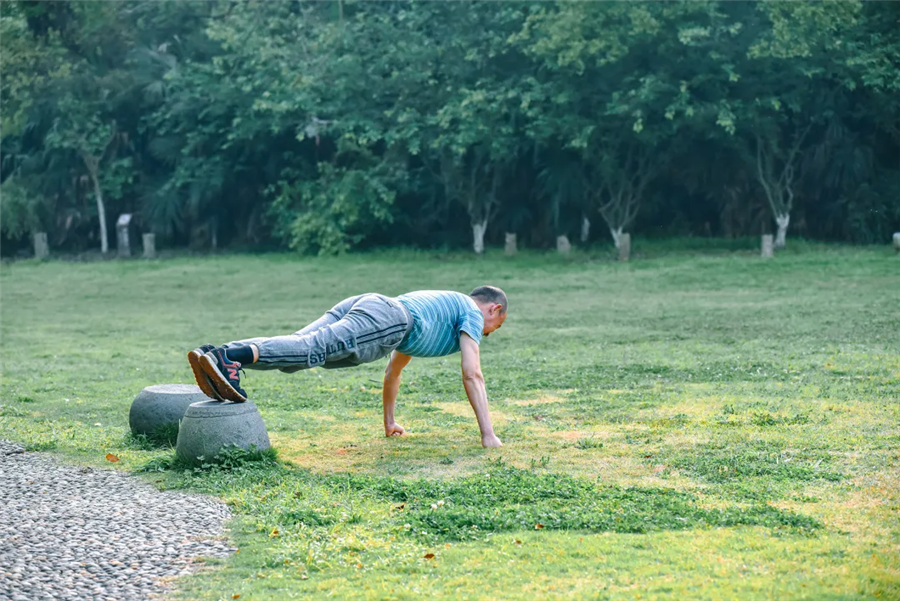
(624, 246)
(768, 246)
(41, 248)
(149, 246)
(510, 246)
(897, 241)
(70, 532)
(209, 426)
(160, 407)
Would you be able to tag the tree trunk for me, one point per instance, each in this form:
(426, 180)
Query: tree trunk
(101, 211)
(616, 235)
(478, 230)
(782, 221)
(585, 229)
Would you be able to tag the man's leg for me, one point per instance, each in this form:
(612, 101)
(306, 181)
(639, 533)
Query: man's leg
(372, 327)
(331, 316)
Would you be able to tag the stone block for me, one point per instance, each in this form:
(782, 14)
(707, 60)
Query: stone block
(157, 409)
(210, 426)
(768, 246)
(149, 246)
(41, 247)
(122, 235)
(897, 241)
(624, 246)
(510, 247)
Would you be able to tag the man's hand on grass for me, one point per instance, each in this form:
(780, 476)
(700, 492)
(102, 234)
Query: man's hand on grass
(490, 441)
(394, 430)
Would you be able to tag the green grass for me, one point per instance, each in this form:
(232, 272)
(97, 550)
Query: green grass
(698, 423)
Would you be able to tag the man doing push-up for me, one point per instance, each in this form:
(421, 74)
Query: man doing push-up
(365, 328)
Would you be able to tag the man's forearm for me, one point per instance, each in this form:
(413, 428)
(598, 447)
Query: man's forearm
(477, 394)
(389, 397)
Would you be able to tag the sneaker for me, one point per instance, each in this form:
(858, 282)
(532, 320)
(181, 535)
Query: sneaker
(223, 373)
(203, 380)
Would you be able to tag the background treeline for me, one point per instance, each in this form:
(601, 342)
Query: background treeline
(326, 126)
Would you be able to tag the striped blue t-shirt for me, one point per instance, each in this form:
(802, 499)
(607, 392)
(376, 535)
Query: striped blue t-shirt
(438, 318)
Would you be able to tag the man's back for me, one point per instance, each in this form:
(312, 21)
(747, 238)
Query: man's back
(439, 316)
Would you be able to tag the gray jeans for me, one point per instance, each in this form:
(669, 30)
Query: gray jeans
(357, 330)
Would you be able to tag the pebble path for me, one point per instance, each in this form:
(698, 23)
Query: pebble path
(69, 532)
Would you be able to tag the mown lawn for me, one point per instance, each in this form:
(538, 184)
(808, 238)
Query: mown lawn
(688, 425)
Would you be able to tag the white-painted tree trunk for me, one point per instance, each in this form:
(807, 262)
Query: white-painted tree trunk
(101, 213)
(616, 235)
(585, 229)
(781, 235)
(478, 230)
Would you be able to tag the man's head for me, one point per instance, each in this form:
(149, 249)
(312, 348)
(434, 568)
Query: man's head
(492, 302)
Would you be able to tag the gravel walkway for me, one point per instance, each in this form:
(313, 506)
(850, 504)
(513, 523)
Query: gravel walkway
(69, 532)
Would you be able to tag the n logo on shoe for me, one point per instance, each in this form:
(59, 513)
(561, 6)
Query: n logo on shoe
(232, 373)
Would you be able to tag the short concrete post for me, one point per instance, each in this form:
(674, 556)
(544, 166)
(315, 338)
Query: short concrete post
(510, 247)
(562, 245)
(41, 248)
(897, 242)
(122, 240)
(768, 246)
(149, 246)
(157, 410)
(210, 426)
(624, 247)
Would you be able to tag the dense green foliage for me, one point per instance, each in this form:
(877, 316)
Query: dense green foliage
(323, 126)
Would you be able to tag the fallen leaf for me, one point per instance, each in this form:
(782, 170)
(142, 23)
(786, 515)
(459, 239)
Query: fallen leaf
(111, 458)
(304, 577)
(518, 542)
(400, 507)
(274, 532)
(341, 451)
(235, 596)
(429, 556)
(538, 526)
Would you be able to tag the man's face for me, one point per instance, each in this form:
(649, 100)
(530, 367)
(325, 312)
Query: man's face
(493, 318)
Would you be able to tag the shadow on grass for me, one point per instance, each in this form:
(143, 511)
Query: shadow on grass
(502, 499)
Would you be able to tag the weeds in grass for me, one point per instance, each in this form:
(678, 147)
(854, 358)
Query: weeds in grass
(720, 462)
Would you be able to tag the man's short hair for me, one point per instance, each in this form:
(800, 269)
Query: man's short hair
(490, 294)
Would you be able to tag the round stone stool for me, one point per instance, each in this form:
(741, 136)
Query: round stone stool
(157, 410)
(209, 426)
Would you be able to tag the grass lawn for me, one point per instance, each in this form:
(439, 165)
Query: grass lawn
(704, 426)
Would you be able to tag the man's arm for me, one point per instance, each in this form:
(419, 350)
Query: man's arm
(389, 392)
(473, 381)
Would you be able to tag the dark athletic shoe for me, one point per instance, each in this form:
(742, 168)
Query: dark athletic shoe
(223, 372)
(203, 380)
